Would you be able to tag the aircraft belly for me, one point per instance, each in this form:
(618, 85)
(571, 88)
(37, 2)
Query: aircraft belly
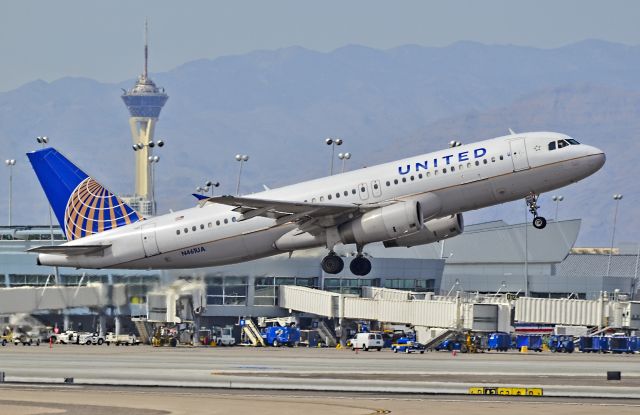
(469, 196)
(225, 251)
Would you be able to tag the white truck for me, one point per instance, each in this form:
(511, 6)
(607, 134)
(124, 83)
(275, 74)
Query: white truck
(118, 339)
(68, 337)
(366, 341)
(91, 338)
(26, 339)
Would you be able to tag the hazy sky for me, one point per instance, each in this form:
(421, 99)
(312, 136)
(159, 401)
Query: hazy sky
(103, 40)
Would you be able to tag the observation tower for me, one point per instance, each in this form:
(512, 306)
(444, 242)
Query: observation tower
(144, 101)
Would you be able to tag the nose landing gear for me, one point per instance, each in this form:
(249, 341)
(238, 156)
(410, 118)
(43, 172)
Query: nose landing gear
(539, 222)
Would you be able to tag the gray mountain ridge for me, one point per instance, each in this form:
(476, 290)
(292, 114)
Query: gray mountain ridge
(278, 106)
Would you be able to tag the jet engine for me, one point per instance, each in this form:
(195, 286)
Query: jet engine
(388, 222)
(432, 231)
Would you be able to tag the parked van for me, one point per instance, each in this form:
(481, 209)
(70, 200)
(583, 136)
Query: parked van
(366, 341)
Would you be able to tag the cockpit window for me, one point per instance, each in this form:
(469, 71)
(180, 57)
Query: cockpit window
(562, 143)
(552, 145)
(572, 141)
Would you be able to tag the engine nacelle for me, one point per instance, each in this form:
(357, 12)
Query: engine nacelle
(433, 231)
(388, 222)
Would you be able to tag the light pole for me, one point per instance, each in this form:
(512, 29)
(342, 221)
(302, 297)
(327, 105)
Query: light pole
(242, 158)
(333, 142)
(150, 144)
(557, 199)
(43, 139)
(208, 185)
(153, 160)
(344, 157)
(10, 163)
(617, 198)
(526, 253)
(150, 171)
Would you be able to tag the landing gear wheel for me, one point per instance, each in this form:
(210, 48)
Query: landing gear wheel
(539, 222)
(360, 266)
(332, 263)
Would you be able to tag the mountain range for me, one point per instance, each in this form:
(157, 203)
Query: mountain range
(278, 106)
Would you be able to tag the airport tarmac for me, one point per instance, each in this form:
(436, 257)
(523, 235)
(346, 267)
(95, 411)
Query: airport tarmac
(572, 375)
(96, 400)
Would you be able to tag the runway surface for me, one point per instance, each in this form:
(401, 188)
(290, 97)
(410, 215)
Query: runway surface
(576, 375)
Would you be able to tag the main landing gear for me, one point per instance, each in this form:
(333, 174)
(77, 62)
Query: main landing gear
(333, 264)
(539, 222)
(360, 265)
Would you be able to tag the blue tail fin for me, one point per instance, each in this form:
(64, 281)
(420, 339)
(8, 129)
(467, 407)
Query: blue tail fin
(81, 205)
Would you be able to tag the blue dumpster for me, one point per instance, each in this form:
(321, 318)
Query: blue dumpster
(531, 341)
(499, 341)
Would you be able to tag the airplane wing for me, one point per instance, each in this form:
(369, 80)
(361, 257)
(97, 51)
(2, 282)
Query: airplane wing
(288, 211)
(70, 250)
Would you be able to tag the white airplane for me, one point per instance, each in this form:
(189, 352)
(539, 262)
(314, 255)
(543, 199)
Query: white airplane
(414, 201)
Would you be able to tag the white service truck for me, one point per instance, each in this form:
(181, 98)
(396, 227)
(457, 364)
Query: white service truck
(124, 339)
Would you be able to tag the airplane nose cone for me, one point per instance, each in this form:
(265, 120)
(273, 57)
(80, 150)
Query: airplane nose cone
(598, 158)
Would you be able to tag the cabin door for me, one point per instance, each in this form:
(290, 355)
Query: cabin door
(519, 154)
(149, 242)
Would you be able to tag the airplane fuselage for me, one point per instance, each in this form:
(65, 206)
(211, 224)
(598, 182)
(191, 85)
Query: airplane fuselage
(445, 182)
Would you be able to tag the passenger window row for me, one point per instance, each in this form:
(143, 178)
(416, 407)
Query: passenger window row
(404, 179)
(338, 195)
(444, 170)
(209, 225)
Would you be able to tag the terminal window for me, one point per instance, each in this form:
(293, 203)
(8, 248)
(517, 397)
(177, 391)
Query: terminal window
(227, 290)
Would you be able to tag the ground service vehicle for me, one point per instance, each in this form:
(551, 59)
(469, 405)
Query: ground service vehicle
(499, 341)
(223, 336)
(7, 337)
(85, 338)
(281, 336)
(97, 338)
(623, 344)
(561, 344)
(594, 344)
(530, 341)
(366, 341)
(591, 344)
(68, 337)
(451, 345)
(407, 345)
(124, 339)
(26, 339)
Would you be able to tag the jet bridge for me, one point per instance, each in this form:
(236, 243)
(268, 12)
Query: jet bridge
(31, 299)
(465, 311)
(395, 306)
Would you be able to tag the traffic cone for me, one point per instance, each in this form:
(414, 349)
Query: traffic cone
(454, 353)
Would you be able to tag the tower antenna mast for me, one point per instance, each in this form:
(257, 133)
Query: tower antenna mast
(146, 47)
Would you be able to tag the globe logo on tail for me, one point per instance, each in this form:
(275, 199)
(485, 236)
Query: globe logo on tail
(92, 209)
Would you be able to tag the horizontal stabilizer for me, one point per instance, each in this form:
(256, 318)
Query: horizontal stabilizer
(199, 196)
(70, 250)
